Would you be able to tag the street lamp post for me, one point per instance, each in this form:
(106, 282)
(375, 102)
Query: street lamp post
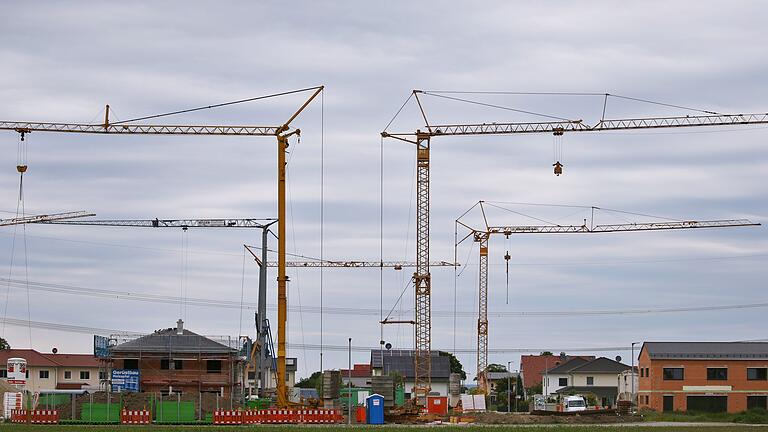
(632, 377)
(509, 388)
(349, 384)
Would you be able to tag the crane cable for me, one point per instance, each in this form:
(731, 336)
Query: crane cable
(21, 168)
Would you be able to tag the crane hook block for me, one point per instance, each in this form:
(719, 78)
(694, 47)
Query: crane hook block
(558, 168)
(21, 168)
(507, 257)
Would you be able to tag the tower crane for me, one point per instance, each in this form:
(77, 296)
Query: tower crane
(422, 281)
(483, 235)
(281, 132)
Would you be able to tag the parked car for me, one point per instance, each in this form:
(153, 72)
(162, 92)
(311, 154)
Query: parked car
(574, 403)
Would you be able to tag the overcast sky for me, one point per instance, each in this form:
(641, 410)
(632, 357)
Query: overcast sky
(65, 61)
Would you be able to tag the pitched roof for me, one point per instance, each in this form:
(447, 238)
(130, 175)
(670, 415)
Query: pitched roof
(378, 355)
(532, 367)
(601, 365)
(32, 357)
(568, 366)
(358, 371)
(402, 361)
(706, 350)
(74, 360)
(168, 341)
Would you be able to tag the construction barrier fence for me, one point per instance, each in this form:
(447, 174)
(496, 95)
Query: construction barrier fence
(35, 416)
(277, 416)
(135, 417)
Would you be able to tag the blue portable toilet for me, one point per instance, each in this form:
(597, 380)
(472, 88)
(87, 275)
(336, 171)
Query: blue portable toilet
(374, 409)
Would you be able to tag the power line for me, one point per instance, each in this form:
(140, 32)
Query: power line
(344, 311)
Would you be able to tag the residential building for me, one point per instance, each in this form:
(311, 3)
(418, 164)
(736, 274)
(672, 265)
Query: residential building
(598, 377)
(384, 362)
(703, 376)
(49, 372)
(532, 367)
(176, 360)
(361, 375)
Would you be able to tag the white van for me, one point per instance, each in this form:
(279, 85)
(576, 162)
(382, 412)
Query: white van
(574, 403)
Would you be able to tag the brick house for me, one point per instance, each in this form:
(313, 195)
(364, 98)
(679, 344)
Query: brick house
(703, 376)
(47, 372)
(176, 360)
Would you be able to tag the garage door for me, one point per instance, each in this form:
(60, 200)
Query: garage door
(708, 403)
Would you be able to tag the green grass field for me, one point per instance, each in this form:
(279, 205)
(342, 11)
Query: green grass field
(589, 428)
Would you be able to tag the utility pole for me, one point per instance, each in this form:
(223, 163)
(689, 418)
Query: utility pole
(349, 384)
(509, 388)
(632, 378)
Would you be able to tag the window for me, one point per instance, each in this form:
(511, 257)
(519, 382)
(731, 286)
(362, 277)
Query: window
(757, 402)
(647, 372)
(647, 400)
(673, 374)
(102, 375)
(213, 366)
(590, 380)
(44, 374)
(3, 373)
(27, 374)
(67, 375)
(251, 375)
(642, 372)
(85, 375)
(757, 374)
(717, 374)
(166, 364)
(562, 382)
(130, 364)
(711, 404)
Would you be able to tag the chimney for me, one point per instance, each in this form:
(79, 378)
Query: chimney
(179, 327)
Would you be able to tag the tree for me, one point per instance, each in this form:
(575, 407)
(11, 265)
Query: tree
(310, 382)
(495, 367)
(456, 366)
(546, 353)
(4, 345)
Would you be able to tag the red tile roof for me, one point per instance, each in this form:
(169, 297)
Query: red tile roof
(358, 371)
(35, 358)
(32, 357)
(533, 366)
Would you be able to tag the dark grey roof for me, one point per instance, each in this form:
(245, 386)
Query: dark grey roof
(493, 376)
(599, 391)
(378, 355)
(707, 350)
(402, 361)
(567, 366)
(601, 365)
(167, 341)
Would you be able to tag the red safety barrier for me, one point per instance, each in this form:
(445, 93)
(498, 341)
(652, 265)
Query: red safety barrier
(227, 417)
(35, 417)
(135, 416)
(288, 416)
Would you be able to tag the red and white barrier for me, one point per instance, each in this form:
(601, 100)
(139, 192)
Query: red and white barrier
(35, 416)
(135, 417)
(228, 417)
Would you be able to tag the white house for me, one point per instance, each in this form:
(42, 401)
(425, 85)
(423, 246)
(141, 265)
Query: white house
(599, 377)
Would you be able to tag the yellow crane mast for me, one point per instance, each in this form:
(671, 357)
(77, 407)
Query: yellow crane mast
(281, 132)
(422, 140)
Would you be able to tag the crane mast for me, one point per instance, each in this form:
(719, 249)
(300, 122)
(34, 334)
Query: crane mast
(422, 140)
